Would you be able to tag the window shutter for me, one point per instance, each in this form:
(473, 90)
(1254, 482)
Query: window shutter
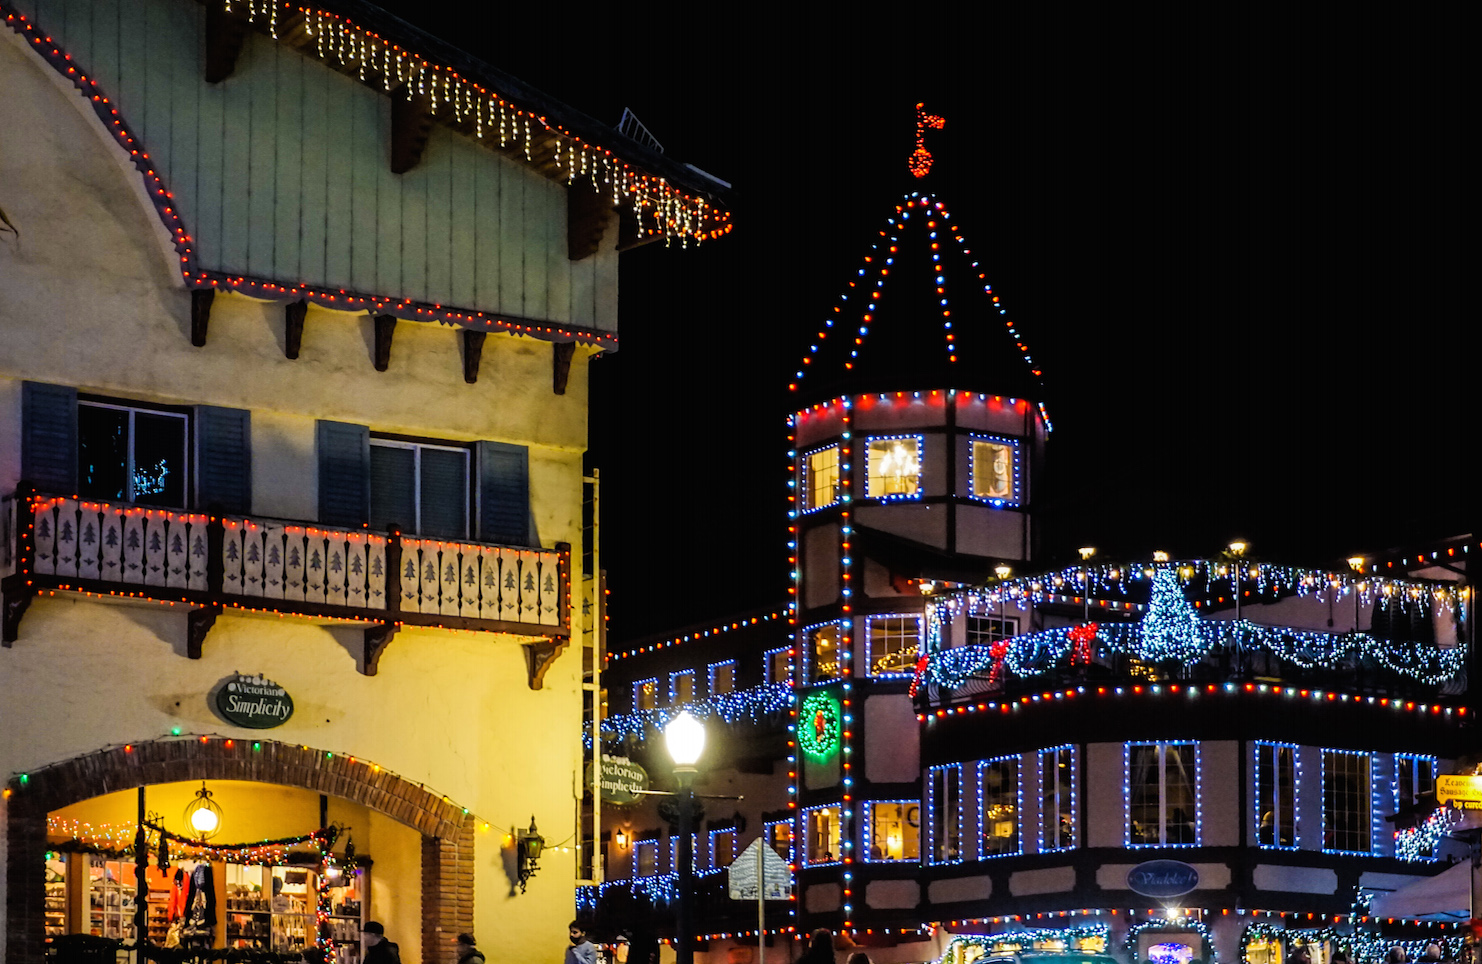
(504, 493)
(49, 437)
(344, 473)
(444, 493)
(393, 489)
(223, 459)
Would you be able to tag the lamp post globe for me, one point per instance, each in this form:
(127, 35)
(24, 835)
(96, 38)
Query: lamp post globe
(685, 738)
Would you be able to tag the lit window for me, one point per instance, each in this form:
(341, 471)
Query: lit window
(674, 852)
(645, 695)
(1276, 795)
(823, 652)
(682, 688)
(894, 829)
(645, 858)
(998, 795)
(722, 848)
(779, 836)
(1057, 776)
(987, 630)
(1162, 791)
(893, 468)
(995, 470)
(1347, 807)
(421, 487)
(779, 665)
(895, 642)
(821, 478)
(722, 677)
(1415, 782)
(944, 810)
(821, 832)
(128, 454)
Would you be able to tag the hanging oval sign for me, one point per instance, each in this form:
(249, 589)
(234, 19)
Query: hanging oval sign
(623, 781)
(1162, 878)
(253, 702)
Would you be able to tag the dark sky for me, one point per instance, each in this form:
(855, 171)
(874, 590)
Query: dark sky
(1236, 248)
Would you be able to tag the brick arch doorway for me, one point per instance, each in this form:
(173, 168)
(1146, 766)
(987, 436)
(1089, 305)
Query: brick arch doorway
(446, 828)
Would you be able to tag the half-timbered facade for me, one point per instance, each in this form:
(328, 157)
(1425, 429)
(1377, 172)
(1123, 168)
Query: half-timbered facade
(297, 306)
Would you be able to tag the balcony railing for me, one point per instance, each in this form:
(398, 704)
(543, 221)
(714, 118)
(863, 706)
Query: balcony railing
(59, 542)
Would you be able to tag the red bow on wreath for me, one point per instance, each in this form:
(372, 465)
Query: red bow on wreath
(1082, 637)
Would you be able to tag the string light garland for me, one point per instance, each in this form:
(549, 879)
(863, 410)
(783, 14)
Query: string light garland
(1172, 925)
(698, 635)
(755, 704)
(1087, 938)
(1420, 842)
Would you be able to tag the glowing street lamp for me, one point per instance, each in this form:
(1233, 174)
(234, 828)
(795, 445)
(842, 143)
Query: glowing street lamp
(685, 738)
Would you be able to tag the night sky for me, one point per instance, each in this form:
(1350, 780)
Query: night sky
(1236, 250)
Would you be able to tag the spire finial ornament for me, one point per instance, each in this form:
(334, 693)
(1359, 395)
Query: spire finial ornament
(921, 157)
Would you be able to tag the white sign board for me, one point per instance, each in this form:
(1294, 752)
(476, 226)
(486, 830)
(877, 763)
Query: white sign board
(776, 878)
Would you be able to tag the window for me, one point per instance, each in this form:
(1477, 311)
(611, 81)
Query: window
(779, 836)
(895, 642)
(1347, 807)
(1415, 782)
(723, 678)
(823, 652)
(987, 630)
(1057, 776)
(944, 813)
(999, 806)
(1162, 792)
(995, 470)
(821, 478)
(645, 695)
(1276, 795)
(682, 688)
(645, 858)
(131, 454)
(893, 467)
(779, 665)
(722, 848)
(821, 835)
(894, 829)
(674, 852)
(420, 486)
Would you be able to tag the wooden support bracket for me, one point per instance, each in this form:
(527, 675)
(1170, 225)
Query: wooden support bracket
(588, 214)
(198, 623)
(411, 123)
(200, 314)
(385, 327)
(562, 352)
(293, 327)
(17, 599)
(224, 36)
(539, 657)
(631, 233)
(377, 638)
(473, 353)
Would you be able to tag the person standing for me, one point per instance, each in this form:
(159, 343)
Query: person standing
(820, 948)
(468, 952)
(375, 948)
(581, 951)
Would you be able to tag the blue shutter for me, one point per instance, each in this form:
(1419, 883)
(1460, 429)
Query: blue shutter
(49, 437)
(504, 494)
(344, 473)
(223, 459)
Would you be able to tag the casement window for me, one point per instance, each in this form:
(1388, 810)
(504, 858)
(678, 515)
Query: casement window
(987, 630)
(893, 828)
(893, 467)
(722, 847)
(779, 665)
(645, 858)
(1057, 811)
(420, 486)
(1347, 802)
(779, 837)
(1415, 782)
(999, 806)
(823, 652)
(821, 835)
(894, 643)
(1162, 794)
(996, 471)
(645, 695)
(820, 481)
(723, 678)
(1276, 795)
(682, 688)
(944, 813)
(117, 450)
(363, 481)
(674, 852)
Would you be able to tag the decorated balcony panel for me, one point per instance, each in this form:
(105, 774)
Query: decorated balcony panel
(294, 568)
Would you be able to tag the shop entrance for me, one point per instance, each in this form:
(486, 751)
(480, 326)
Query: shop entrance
(71, 864)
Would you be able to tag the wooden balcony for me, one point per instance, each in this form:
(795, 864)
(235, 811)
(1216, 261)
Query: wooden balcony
(213, 563)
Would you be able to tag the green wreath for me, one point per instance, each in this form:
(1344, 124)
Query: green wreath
(818, 725)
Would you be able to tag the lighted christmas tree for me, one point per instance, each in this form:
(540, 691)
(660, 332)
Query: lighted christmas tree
(1171, 628)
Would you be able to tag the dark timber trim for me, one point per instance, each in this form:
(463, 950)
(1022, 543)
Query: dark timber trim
(293, 327)
(589, 211)
(561, 355)
(224, 36)
(198, 623)
(200, 314)
(377, 638)
(411, 123)
(473, 353)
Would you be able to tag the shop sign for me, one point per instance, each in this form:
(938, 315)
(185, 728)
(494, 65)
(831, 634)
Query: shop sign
(253, 702)
(623, 781)
(1463, 789)
(1162, 878)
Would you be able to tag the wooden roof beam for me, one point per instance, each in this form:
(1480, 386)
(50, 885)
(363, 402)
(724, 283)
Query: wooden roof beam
(411, 124)
(588, 214)
(225, 35)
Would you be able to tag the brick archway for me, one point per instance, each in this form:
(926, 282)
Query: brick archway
(447, 830)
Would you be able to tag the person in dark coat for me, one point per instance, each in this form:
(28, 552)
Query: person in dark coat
(820, 948)
(468, 952)
(375, 948)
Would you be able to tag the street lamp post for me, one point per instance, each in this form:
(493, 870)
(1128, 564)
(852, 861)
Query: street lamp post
(685, 738)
